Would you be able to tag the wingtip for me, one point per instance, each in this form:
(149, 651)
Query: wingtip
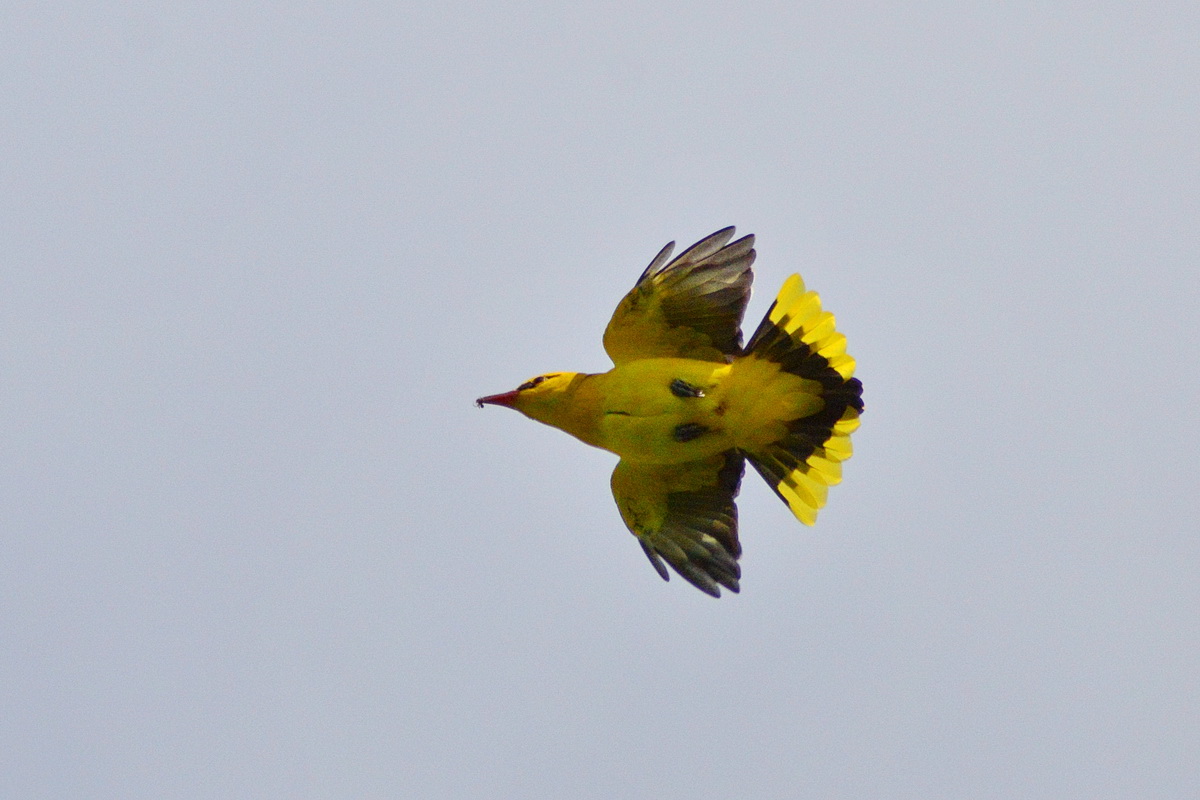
(716, 590)
(659, 261)
(655, 561)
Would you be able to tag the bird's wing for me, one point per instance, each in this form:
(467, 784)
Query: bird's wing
(690, 307)
(685, 513)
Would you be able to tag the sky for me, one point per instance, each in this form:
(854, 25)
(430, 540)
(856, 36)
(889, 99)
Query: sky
(258, 260)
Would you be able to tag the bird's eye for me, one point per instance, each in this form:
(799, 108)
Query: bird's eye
(532, 382)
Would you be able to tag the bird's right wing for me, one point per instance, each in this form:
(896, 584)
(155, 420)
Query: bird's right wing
(689, 307)
(685, 513)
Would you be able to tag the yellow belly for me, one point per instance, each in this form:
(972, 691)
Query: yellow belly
(644, 421)
(742, 405)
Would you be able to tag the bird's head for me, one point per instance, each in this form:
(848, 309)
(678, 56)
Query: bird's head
(546, 398)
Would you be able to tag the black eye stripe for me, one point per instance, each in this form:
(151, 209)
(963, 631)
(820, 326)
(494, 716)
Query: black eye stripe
(531, 383)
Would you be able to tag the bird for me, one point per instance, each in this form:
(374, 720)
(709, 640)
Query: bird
(686, 405)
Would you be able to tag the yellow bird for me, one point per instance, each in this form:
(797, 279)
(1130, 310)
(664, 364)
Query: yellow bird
(685, 405)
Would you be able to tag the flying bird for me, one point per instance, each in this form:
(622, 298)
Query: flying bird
(686, 405)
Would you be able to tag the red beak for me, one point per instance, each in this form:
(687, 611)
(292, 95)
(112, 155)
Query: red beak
(503, 399)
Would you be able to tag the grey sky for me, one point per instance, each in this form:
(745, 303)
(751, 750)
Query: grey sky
(257, 263)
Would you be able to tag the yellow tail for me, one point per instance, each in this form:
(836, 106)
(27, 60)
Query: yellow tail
(798, 336)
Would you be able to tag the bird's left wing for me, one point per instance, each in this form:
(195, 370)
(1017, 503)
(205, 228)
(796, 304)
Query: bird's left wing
(685, 513)
(690, 307)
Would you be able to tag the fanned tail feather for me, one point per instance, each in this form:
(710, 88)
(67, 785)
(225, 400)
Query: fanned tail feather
(801, 338)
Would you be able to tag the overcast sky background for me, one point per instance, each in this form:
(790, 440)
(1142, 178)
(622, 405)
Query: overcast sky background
(258, 262)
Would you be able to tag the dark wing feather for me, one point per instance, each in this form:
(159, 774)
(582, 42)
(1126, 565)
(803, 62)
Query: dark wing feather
(688, 307)
(685, 514)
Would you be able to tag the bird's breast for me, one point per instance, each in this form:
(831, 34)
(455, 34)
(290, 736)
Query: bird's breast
(663, 411)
